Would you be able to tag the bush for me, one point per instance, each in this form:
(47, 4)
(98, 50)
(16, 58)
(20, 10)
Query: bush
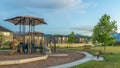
(117, 44)
(5, 48)
(7, 43)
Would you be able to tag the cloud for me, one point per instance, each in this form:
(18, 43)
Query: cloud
(44, 3)
(38, 7)
(83, 28)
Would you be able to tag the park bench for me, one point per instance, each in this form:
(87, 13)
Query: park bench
(86, 49)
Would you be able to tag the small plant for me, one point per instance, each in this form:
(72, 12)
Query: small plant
(7, 43)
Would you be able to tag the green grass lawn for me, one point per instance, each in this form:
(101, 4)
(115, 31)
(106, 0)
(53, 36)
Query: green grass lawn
(109, 49)
(112, 58)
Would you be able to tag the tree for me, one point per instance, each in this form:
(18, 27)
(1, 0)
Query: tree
(103, 30)
(71, 38)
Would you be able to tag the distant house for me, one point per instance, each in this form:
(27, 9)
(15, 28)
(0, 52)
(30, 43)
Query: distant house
(64, 38)
(8, 33)
(80, 38)
(57, 38)
(38, 36)
(61, 38)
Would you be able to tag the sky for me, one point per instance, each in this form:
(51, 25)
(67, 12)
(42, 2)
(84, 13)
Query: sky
(61, 16)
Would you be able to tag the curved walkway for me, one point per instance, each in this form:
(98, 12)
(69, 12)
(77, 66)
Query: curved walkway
(87, 58)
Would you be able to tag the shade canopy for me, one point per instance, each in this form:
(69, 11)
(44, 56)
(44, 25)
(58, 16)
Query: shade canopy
(26, 20)
(29, 21)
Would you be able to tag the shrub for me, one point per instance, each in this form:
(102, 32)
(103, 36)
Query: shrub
(7, 43)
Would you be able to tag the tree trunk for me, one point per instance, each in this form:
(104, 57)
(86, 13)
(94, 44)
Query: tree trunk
(104, 48)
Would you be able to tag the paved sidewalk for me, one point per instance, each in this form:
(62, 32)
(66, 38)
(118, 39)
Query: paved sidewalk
(87, 58)
(100, 58)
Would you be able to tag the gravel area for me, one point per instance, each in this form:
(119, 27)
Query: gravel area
(51, 61)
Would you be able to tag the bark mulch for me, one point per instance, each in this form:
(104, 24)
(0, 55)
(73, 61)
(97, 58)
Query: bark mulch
(51, 61)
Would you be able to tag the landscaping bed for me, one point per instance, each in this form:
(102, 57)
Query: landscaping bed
(51, 61)
(4, 55)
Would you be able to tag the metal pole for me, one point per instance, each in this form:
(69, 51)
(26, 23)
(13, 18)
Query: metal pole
(20, 27)
(24, 29)
(34, 34)
(29, 33)
(33, 25)
(21, 48)
(54, 44)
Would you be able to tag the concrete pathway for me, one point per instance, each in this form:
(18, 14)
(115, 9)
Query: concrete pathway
(87, 58)
(100, 58)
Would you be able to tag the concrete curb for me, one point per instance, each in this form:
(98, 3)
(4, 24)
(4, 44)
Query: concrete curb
(21, 61)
